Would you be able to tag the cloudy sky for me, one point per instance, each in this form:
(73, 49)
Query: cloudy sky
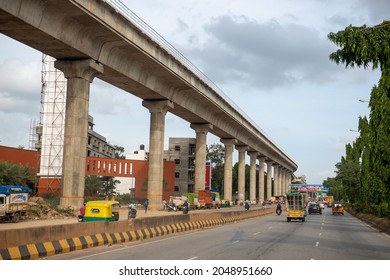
(270, 57)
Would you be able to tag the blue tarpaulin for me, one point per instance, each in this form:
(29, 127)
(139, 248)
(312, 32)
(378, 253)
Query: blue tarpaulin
(7, 190)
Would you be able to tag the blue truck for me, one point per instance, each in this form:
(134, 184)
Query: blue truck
(13, 202)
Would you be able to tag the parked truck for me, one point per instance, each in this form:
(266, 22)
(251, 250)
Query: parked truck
(295, 206)
(209, 199)
(13, 202)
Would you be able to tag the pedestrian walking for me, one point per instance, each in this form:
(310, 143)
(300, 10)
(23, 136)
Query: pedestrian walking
(146, 204)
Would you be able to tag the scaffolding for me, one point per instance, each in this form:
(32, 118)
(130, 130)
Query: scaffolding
(52, 125)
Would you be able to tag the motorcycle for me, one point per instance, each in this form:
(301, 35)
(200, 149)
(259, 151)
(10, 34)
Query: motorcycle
(132, 211)
(80, 218)
(278, 209)
(185, 209)
(172, 207)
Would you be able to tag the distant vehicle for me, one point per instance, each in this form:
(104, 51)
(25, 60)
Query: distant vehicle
(315, 208)
(321, 204)
(337, 208)
(295, 206)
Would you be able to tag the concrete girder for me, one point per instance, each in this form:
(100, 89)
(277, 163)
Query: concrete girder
(132, 61)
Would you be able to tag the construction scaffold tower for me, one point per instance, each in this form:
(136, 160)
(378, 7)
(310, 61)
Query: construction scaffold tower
(52, 125)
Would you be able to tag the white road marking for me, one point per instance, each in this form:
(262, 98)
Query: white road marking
(193, 258)
(236, 241)
(257, 233)
(317, 243)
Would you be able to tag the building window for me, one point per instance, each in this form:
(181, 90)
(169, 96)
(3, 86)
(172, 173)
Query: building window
(191, 149)
(176, 188)
(177, 174)
(177, 148)
(177, 161)
(191, 163)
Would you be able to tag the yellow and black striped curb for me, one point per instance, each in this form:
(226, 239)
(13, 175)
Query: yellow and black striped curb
(41, 250)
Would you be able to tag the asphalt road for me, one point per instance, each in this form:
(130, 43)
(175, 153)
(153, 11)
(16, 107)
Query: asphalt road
(321, 237)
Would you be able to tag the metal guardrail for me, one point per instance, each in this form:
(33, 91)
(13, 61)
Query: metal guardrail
(157, 38)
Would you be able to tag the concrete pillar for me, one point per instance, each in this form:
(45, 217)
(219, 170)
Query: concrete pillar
(252, 184)
(281, 180)
(284, 180)
(241, 172)
(276, 179)
(289, 174)
(200, 154)
(158, 110)
(269, 178)
(228, 171)
(261, 179)
(79, 74)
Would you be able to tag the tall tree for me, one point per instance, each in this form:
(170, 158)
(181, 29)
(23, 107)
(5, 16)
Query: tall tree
(216, 154)
(119, 152)
(16, 174)
(361, 47)
(108, 186)
(93, 184)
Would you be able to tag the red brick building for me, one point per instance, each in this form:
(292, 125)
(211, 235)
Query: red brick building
(95, 166)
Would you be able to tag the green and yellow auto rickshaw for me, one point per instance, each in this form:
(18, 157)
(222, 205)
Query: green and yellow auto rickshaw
(101, 210)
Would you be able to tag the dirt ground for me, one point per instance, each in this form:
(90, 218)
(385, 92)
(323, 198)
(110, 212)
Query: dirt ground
(381, 224)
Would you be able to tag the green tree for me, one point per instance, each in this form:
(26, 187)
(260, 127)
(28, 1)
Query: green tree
(119, 152)
(364, 46)
(93, 184)
(16, 174)
(216, 154)
(109, 186)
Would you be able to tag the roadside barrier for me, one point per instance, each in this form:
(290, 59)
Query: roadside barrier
(41, 242)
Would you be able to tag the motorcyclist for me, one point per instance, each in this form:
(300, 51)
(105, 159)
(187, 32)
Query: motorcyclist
(132, 210)
(172, 206)
(81, 214)
(279, 208)
(185, 207)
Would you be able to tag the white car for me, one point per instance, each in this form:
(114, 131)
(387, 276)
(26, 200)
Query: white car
(322, 205)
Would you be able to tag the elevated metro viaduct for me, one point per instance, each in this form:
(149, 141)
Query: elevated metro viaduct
(103, 39)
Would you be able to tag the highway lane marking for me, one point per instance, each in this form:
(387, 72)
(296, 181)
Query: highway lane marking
(257, 233)
(129, 245)
(236, 241)
(320, 234)
(317, 243)
(193, 258)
